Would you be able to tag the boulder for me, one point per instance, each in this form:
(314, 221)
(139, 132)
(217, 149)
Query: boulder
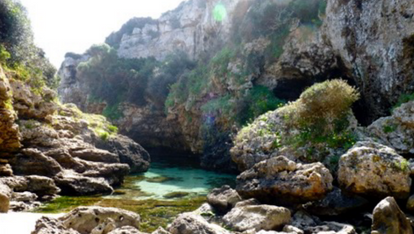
(46, 225)
(86, 219)
(389, 219)
(280, 180)
(373, 169)
(74, 184)
(129, 152)
(33, 162)
(336, 203)
(160, 230)
(257, 217)
(224, 198)
(95, 155)
(40, 185)
(410, 204)
(189, 223)
(5, 194)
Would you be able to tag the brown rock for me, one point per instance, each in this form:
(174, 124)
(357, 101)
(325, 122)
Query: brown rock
(389, 219)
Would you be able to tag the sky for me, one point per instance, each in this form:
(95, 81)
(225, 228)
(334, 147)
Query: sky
(62, 26)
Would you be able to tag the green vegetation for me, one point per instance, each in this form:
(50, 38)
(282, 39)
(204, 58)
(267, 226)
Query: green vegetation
(18, 54)
(321, 114)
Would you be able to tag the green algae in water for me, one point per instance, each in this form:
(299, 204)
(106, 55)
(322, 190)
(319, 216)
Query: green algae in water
(154, 213)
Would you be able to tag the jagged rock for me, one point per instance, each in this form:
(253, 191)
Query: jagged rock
(257, 217)
(280, 180)
(332, 228)
(410, 204)
(75, 184)
(9, 131)
(129, 152)
(396, 131)
(223, 198)
(47, 225)
(34, 162)
(373, 169)
(388, 218)
(336, 203)
(40, 185)
(292, 229)
(5, 195)
(95, 155)
(30, 105)
(189, 223)
(302, 220)
(86, 219)
(248, 202)
(5, 169)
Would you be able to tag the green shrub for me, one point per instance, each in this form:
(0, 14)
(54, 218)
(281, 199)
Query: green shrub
(112, 112)
(104, 135)
(321, 114)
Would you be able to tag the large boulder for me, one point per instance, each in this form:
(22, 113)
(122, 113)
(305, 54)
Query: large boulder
(224, 198)
(389, 219)
(280, 180)
(86, 219)
(189, 223)
(46, 225)
(74, 184)
(373, 169)
(129, 152)
(258, 217)
(40, 185)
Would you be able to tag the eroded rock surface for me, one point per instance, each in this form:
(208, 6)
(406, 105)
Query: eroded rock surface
(280, 180)
(373, 169)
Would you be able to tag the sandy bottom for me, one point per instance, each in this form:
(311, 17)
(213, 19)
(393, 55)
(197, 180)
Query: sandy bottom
(20, 223)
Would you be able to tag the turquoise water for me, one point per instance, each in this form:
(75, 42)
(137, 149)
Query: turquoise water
(172, 176)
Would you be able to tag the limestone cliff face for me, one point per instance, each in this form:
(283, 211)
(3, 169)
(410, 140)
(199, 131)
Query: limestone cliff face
(193, 27)
(374, 39)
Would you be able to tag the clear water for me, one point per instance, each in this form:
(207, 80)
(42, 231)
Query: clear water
(172, 176)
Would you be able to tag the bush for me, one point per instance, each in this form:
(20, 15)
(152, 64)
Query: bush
(321, 114)
(404, 98)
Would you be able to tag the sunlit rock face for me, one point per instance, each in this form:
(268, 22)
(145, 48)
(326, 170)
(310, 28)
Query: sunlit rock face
(195, 27)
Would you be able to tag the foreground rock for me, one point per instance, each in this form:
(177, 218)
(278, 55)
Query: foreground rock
(86, 220)
(189, 223)
(389, 219)
(257, 217)
(280, 180)
(376, 170)
(224, 198)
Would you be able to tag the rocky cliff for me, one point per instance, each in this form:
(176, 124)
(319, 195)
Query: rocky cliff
(242, 59)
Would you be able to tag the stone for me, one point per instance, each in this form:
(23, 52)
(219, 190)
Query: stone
(372, 169)
(40, 185)
(280, 180)
(188, 223)
(74, 184)
(336, 203)
(95, 155)
(396, 130)
(257, 217)
(5, 195)
(160, 230)
(24, 196)
(224, 198)
(34, 162)
(388, 218)
(46, 225)
(86, 219)
(128, 151)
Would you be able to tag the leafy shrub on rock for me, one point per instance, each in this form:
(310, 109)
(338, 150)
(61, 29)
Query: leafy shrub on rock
(311, 128)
